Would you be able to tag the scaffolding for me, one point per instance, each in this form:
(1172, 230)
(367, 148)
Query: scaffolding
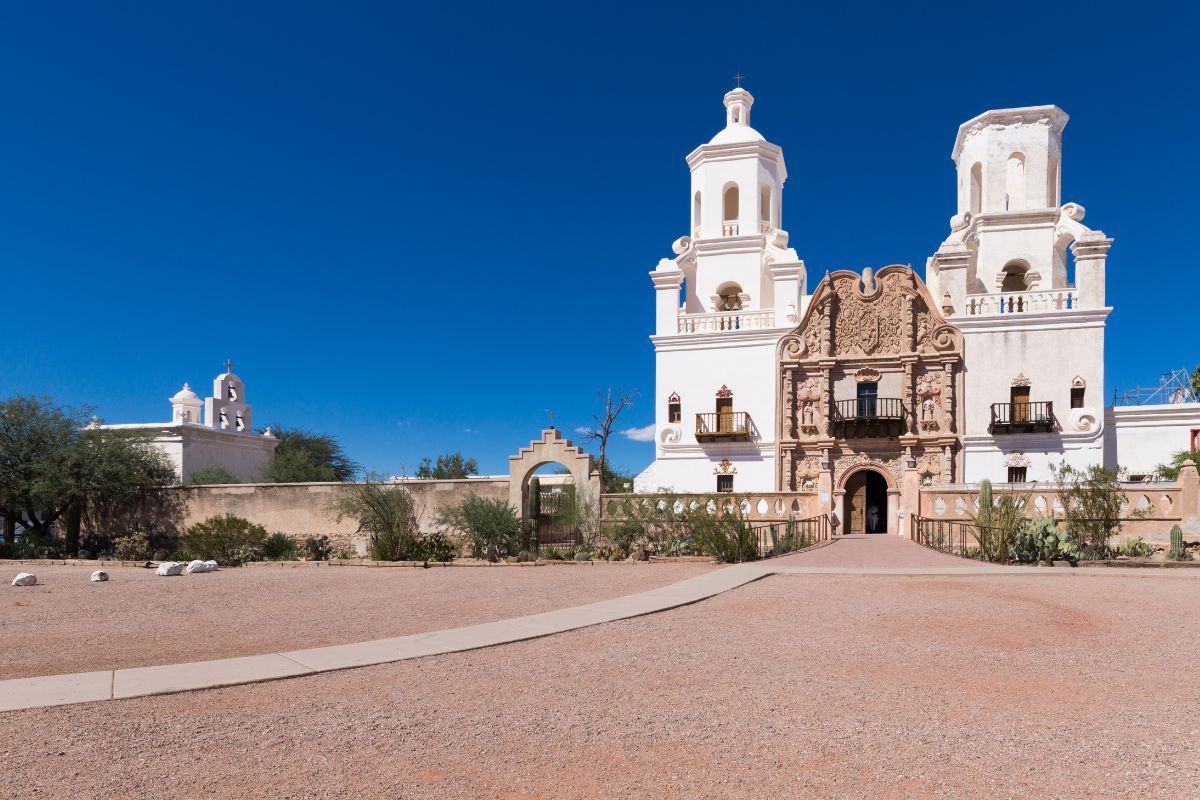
(1173, 387)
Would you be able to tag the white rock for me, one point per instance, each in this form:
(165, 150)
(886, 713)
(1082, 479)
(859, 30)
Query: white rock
(25, 579)
(99, 576)
(170, 568)
(212, 566)
(199, 566)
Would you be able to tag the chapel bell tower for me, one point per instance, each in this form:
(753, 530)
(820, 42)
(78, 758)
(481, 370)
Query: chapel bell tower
(736, 259)
(227, 409)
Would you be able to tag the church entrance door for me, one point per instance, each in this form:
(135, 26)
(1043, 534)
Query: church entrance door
(866, 503)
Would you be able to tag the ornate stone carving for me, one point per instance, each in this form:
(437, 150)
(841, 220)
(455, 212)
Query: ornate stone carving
(868, 323)
(724, 391)
(1021, 380)
(867, 375)
(1016, 460)
(670, 434)
(808, 395)
(844, 463)
(929, 401)
(1078, 383)
(673, 397)
(726, 467)
(806, 472)
(929, 466)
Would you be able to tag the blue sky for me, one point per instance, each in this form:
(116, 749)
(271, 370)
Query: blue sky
(424, 228)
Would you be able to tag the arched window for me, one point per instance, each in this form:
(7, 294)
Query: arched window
(731, 203)
(674, 409)
(1014, 183)
(729, 297)
(764, 204)
(1015, 277)
(976, 188)
(696, 214)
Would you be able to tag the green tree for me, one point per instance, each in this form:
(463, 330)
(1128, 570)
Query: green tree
(1170, 472)
(306, 457)
(449, 466)
(1196, 382)
(211, 474)
(53, 467)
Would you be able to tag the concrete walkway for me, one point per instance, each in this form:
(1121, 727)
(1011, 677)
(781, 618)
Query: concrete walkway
(850, 555)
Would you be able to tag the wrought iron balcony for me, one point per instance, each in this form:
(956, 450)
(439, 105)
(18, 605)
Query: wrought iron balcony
(735, 426)
(1022, 417)
(868, 416)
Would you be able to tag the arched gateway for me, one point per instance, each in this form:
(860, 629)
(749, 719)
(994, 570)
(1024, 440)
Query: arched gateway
(551, 448)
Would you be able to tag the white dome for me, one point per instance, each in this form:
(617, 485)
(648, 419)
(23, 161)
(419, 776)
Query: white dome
(736, 134)
(184, 394)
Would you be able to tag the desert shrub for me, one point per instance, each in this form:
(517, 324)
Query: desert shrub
(132, 546)
(389, 514)
(485, 523)
(1092, 503)
(614, 556)
(552, 554)
(317, 548)
(227, 539)
(180, 554)
(1135, 547)
(718, 529)
(279, 547)
(583, 555)
(437, 547)
(525, 555)
(211, 474)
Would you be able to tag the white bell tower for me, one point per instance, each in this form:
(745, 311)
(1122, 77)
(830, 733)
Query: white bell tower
(729, 264)
(227, 409)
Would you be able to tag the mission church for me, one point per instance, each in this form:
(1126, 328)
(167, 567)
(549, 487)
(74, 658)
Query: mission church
(992, 366)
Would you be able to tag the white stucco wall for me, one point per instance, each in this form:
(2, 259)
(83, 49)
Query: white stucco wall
(1139, 438)
(695, 367)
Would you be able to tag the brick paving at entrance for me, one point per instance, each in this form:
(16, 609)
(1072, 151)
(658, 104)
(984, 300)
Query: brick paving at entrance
(875, 550)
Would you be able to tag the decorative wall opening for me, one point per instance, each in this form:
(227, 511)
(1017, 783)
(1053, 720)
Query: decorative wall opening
(976, 190)
(731, 203)
(674, 409)
(1014, 183)
(1016, 276)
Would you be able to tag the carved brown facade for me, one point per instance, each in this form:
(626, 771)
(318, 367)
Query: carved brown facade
(881, 329)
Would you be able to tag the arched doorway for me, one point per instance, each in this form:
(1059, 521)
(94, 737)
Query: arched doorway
(866, 503)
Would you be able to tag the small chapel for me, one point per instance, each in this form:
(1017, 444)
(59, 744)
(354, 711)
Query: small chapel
(989, 365)
(213, 432)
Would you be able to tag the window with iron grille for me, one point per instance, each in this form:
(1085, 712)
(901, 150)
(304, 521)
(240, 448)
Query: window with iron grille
(724, 483)
(1077, 397)
(1016, 474)
(674, 411)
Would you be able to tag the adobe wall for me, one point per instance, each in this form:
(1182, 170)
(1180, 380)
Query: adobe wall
(303, 509)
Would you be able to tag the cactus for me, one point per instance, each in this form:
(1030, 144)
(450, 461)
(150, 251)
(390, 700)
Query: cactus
(1040, 540)
(1178, 552)
(791, 530)
(985, 502)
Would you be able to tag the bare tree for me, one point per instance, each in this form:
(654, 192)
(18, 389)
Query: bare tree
(606, 420)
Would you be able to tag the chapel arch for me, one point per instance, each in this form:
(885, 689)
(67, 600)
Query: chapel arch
(730, 203)
(1015, 276)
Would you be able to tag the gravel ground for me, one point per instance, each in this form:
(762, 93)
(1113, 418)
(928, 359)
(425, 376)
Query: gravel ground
(67, 624)
(794, 686)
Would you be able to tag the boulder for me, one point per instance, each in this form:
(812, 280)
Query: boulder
(170, 568)
(25, 579)
(99, 576)
(198, 566)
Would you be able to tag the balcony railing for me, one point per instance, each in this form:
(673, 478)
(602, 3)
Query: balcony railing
(735, 426)
(729, 228)
(868, 416)
(986, 305)
(869, 409)
(1022, 417)
(726, 321)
